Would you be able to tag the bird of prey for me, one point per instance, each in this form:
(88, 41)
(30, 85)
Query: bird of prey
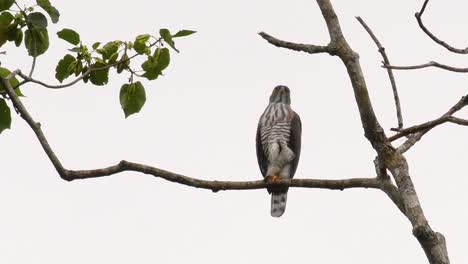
(278, 145)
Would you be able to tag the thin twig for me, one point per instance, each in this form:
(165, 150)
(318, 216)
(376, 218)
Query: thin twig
(417, 128)
(418, 131)
(27, 78)
(389, 71)
(312, 49)
(426, 65)
(418, 16)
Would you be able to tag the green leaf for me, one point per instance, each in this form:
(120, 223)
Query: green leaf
(183, 33)
(76, 49)
(132, 98)
(6, 17)
(163, 57)
(13, 81)
(36, 41)
(37, 19)
(13, 32)
(140, 44)
(96, 45)
(6, 4)
(69, 35)
(166, 35)
(123, 63)
(5, 116)
(3, 35)
(78, 68)
(62, 70)
(86, 77)
(72, 67)
(113, 58)
(5, 27)
(109, 48)
(18, 37)
(101, 76)
(155, 64)
(52, 11)
(150, 67)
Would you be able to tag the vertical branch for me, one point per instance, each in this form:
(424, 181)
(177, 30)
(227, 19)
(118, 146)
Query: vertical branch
(433, 243)
(389, 71)
(372, 129)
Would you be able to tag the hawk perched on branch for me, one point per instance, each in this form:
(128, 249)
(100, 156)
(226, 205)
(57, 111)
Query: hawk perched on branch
(278, 145)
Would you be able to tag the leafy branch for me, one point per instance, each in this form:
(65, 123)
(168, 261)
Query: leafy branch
(87, 63)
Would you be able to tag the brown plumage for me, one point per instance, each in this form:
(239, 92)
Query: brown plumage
(279, 144)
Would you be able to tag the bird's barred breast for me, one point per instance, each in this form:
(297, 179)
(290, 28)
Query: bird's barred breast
(277, 133)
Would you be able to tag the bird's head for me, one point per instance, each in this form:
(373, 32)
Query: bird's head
(280, 95)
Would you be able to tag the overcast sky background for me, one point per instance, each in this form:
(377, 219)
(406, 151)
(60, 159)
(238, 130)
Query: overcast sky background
(200, 120)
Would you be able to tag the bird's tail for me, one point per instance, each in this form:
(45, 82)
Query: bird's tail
(278, 203)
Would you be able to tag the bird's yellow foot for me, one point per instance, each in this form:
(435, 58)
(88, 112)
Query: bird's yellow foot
(272, 178)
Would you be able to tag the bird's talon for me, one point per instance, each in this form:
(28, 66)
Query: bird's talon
(272, 178)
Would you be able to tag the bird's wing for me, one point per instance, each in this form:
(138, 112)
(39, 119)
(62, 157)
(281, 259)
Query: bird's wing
(295, 141)
(261, 158)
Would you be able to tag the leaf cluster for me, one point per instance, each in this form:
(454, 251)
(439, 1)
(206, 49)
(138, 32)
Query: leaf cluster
(94, 63)
(90, 63)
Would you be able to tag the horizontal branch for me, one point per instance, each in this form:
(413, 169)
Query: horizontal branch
(418, 131)
(432, 36)
(215, 186)
(220, 185)
(417, 128)
(426, 65)
(429, 125)
(312, 49)
(27, 79)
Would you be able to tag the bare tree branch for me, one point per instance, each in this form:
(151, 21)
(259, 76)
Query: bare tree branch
(418, 16)
(458, 121)
(312, 49)
(426, 65)
(223, 185)
(389, 71)
(432, 242)
(417, 128)
(372, 129)
(393, 193)
(422, 129)
(410, 142)
(428, 126)
(215, 186)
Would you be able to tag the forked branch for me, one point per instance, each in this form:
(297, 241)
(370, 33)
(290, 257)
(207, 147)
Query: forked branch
(418, 16)
(432, 242)
(418, 131)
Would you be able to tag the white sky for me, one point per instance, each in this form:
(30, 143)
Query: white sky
(200, 120)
